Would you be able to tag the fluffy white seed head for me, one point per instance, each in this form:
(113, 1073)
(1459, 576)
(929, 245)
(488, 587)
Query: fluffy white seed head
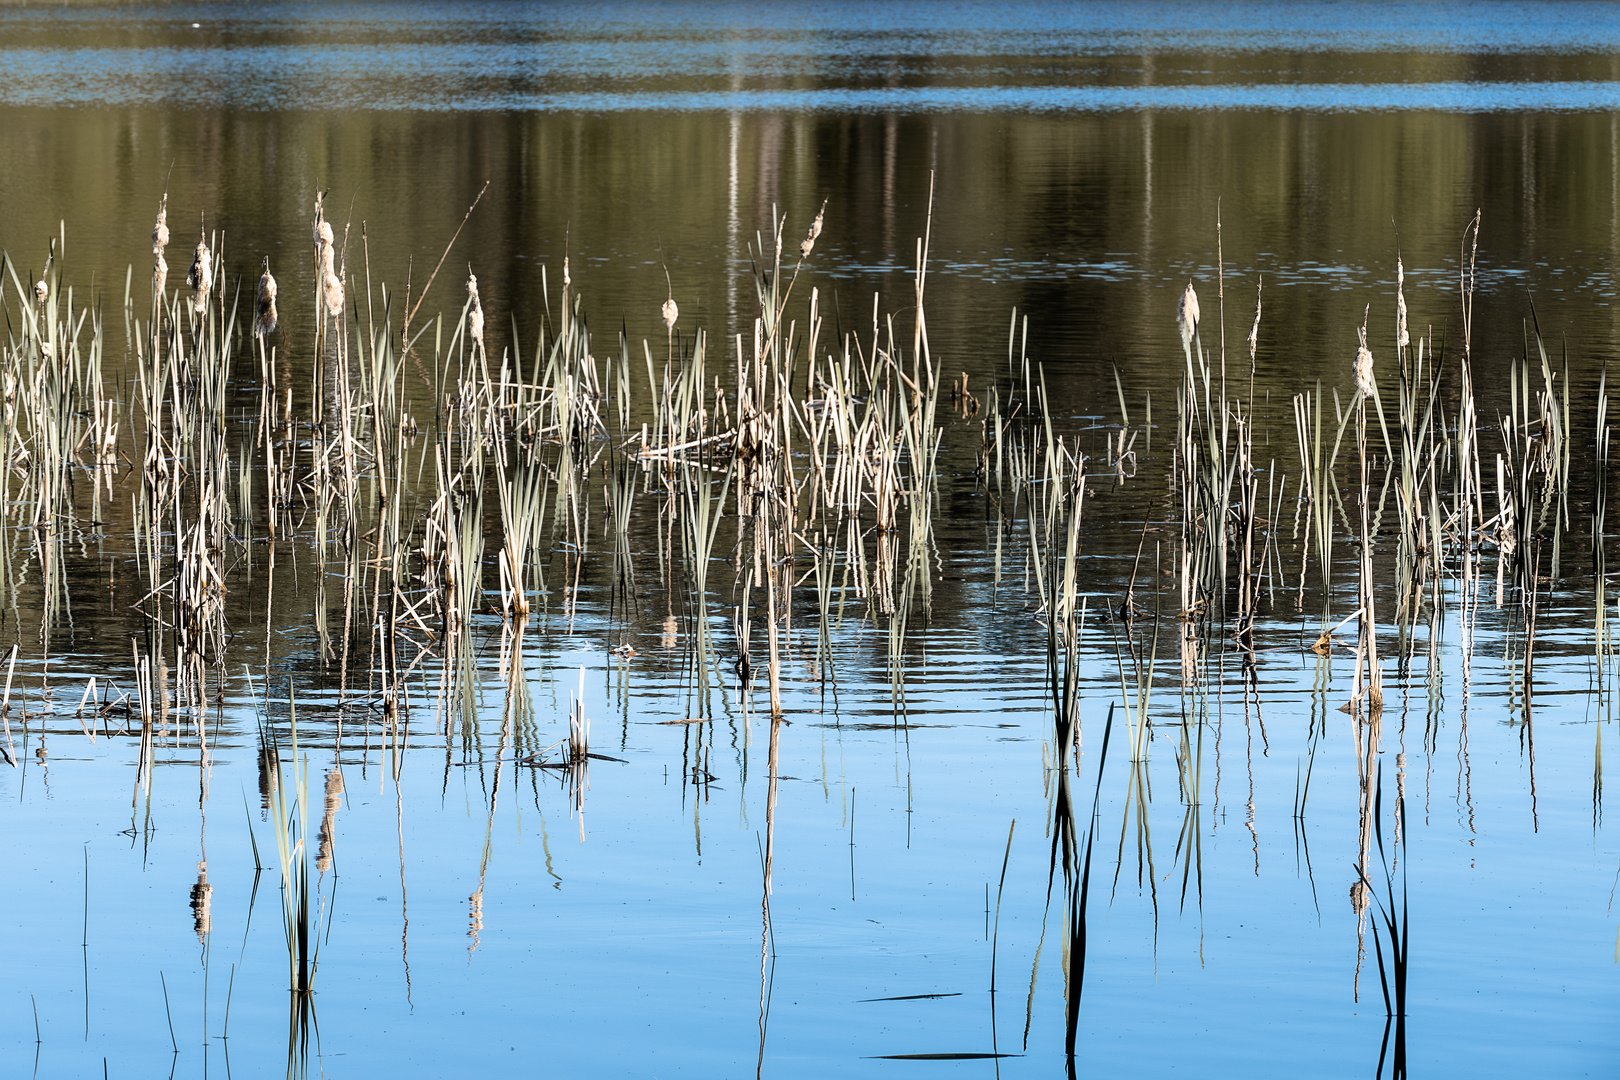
(1187, 315)
(809, 243)
(160, 231)
(332, 293)
(1363, 368)
(200, 277)
(1402, 338)
(1254, 331)
(265, 323)
(324, 247)
(475, 317)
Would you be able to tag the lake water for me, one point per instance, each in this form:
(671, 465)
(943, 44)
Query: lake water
(1073, 167)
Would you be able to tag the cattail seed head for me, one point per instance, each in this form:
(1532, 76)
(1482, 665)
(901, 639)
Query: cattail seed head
(160, 231)
(1402, 338)
(1254, 331)
(475, 318)
(1187, 315)
(323, 238)
(332, 293)
(567, 281)
(1363, 368)
(331, 283)
(200, 278)
(160, 240)
(671, 312)
(809, 243)
(265, 324)
(41, 291)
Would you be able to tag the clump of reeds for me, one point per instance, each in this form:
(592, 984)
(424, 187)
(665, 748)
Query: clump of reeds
(849, 446)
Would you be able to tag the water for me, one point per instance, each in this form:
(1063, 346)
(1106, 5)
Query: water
(1080, 159)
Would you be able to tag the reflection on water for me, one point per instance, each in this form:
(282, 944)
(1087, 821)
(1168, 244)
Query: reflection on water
(1103, 591)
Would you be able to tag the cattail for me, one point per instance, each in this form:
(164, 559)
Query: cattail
(809, 243)
(475, 318)
(265, 324)
(160, 231)
(567, 281)
(670, 311)
(200, 278)
(1402, 339)
(160, 240)
(41, 291)
(1187, 316)
(332, 292)
(1254, 331)
(331, 283)
(323, 245)
(1364, 368)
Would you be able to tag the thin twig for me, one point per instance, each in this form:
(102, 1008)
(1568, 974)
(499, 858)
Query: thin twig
(411, 314)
